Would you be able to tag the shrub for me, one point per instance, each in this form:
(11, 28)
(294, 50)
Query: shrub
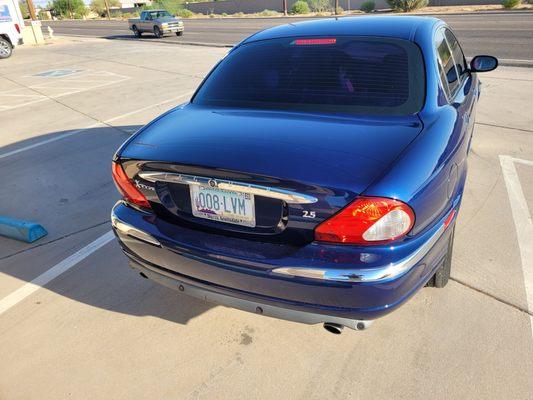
(238, 15)
(300, 7)
(320, 6)
(44, 15)
(340, 10)
(127, 15)
(407, 5)
(184, 13)
(268, 13)
(224, 14)
(98, 6)
(510, 3)
(368, 6)
(172, 6)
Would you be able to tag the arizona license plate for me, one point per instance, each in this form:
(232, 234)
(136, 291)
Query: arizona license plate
(223, 205)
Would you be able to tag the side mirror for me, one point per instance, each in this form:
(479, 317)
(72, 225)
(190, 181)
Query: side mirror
(483, 63)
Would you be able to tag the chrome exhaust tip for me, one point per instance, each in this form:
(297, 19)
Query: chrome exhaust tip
(336, 329)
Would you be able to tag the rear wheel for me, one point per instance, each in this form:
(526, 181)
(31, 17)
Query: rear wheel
(136, 31)
(158, 32)
(179, 33)
(442, 276)
(5, 48)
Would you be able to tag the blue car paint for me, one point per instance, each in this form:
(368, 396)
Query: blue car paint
(426, 168)
(257, 142)
(427, 171)
(230, 266)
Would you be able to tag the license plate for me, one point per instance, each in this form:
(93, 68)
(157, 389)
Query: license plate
(223, 205)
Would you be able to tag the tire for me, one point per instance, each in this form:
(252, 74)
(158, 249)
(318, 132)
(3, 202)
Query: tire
(136, 31)
(158, 32)
(179, 33)
(5, 48)
(442, 276)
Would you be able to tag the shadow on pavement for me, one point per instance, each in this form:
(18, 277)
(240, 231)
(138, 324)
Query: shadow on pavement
(66, 185)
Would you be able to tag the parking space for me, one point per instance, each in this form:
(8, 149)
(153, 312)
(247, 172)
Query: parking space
(76, 322)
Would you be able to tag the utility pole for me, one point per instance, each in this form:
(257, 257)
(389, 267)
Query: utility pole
(107, 9)
(285, 7)
(31, 10)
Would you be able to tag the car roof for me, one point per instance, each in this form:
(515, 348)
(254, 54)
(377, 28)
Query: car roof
(402, 27)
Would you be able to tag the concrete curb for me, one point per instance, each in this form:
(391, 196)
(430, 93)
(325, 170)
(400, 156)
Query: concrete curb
(21, 230)
(201, 44)
(515, 63)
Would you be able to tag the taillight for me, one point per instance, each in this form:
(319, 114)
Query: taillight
(368, 220)
(17, 27)
(126, 188)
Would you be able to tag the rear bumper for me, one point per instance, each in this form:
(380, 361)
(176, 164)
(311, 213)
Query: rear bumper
(189, 257)
(269, 310)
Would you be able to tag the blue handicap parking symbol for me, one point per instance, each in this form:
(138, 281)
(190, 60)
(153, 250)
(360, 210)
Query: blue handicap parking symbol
(57, 73)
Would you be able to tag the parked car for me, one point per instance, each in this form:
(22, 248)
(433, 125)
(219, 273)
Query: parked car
(315, 175)
(157, 22)
(10, 29)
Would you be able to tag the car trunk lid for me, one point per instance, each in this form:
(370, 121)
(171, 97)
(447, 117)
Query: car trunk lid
(323, 160)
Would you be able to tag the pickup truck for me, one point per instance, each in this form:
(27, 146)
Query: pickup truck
(10, 28)
(157, 22)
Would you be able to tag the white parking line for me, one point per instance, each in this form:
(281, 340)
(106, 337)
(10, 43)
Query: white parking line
(54, 83)
(20, 294)
(522, 221)
(59, 137)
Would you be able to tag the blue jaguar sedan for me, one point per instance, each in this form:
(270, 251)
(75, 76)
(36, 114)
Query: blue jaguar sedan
(315, 175)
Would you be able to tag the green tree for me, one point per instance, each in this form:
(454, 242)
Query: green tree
(24, 10)
(98, 6)
(69, 8)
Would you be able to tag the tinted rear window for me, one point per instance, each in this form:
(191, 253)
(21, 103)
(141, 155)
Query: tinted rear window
(349, 75)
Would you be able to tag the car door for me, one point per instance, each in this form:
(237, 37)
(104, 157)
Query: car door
(460, 87)
(145, 22)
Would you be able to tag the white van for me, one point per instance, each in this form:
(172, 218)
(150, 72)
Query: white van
(11, 24)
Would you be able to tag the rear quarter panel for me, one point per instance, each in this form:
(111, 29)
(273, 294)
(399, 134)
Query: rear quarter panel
(430, 174)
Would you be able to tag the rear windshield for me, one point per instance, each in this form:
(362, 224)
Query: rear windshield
(348, 75)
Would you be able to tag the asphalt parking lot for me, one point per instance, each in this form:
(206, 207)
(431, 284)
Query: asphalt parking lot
(76, 322)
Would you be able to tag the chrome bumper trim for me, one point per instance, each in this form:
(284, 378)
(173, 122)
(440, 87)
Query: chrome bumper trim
(129, 230)
(384, 273)
(259, 190)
